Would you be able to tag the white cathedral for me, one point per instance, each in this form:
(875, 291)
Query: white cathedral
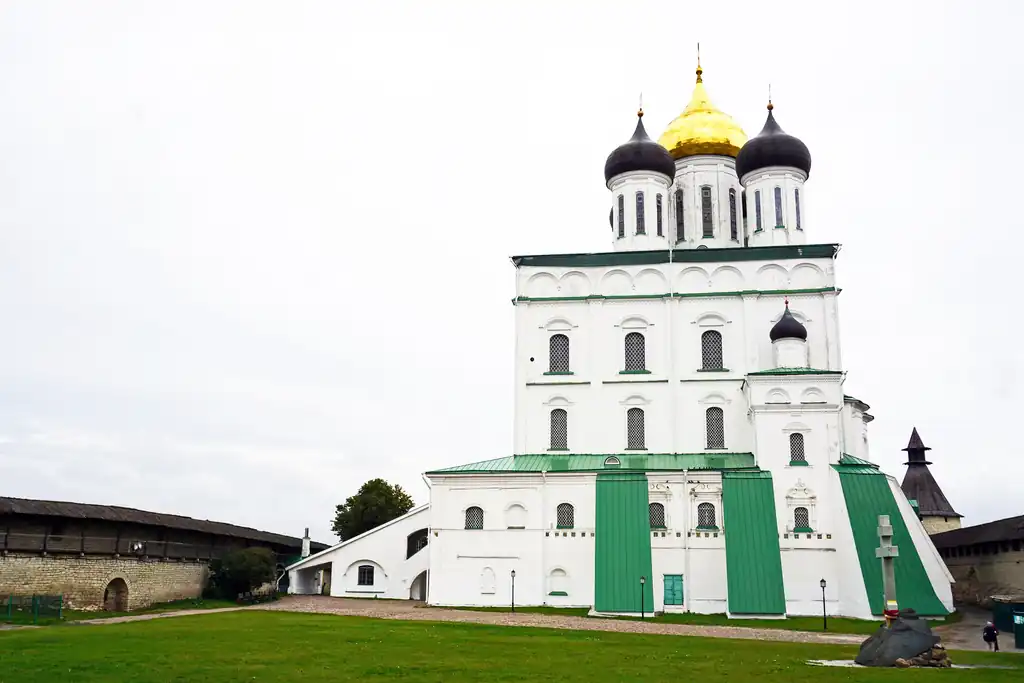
(683, 442)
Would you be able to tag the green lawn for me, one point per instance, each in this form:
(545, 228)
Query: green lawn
(285, 647)
(814, 624)
(70, 615)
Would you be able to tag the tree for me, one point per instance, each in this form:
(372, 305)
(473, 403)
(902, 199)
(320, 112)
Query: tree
(241, 571)
(376, 502)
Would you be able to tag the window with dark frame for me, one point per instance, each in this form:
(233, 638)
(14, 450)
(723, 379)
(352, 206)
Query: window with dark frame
(657, 202)
(641, 226)
(801, 519)
(635, 352)
(680, 217)
(715, 419)
(635, 440)
(474, 518)
(565, 516)
(733, 227)
(622, 216)
(757, 211)
(559, 430)
(706, 215)
(656, 515)
(706, 516)
(796, 448)
(711, 350)
(365, 575)
(558, 353)
(778, 206)
(796, 203)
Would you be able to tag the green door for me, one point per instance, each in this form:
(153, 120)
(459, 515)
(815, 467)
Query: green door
(673, 589)
(622, 548)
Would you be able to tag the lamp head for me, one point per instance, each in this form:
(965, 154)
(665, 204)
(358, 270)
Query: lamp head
(822, 584)
(513, 573)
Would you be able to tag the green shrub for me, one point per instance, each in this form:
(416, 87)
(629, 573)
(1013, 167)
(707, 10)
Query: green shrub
(240, 571)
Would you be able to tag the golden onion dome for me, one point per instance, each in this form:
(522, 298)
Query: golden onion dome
(702, 128)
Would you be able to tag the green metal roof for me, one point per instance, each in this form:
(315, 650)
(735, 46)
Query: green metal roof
(622, 549)
(796, 371)
(635, 258)
(848, 459)
(752, 556)
(548, 462)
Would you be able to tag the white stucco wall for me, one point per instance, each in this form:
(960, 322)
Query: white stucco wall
(383, 548)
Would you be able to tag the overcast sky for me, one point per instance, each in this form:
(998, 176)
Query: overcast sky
(255, 253)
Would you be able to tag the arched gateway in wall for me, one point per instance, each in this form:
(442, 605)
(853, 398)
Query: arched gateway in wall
(115, 596)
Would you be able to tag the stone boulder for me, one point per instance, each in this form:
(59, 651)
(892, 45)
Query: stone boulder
(907, 639)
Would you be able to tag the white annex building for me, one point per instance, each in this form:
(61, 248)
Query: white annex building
(683, 441)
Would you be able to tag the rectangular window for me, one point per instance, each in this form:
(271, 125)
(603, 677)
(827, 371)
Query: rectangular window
(680, 217)
(365, 575)
(622, 216)
(778, 207)
(733, 234)
(661, 230)
(796, 201)
(673, 589)
(705, 212)
(757, 211)
(641, 228)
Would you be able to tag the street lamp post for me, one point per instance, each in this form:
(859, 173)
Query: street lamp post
(643, 580)
(824, 613)
(513, 590)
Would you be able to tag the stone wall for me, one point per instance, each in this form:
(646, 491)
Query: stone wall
(979, 577)
(936, 525)
(82, 580)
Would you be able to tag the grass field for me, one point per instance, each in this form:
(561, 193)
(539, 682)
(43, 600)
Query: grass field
(813, 624)
(279, 646)
(70, 615)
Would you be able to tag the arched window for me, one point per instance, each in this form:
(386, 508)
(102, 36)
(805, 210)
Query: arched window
(796, 201)
(611, 461)
(635, 429)
(474, 518)
(636, 356)
(705, 211)
(515, 516)
(711, 350)
(796, 448)
(801, 519)
(657, 203)
(641, 227)
(622, 216)
(706, 516)
(757, 212)
(558, 582)
(778, 207)
(656, 514)
(733, 228)
(716, 427)
(365, 577)
(565, 516)
(558, 353)
(559, 430)
(680, 217)
(487, 581)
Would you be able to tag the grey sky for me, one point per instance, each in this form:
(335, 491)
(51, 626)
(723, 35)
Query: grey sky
(253, 254)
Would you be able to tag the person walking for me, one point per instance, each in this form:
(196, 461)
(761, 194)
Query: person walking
(990, 634)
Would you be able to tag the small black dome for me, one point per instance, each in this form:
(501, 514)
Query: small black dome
(772, 147)
(788, 327)
(639, 153)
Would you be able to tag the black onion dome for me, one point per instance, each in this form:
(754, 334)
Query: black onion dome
(772, 147)
(788, 327)
(639, 153)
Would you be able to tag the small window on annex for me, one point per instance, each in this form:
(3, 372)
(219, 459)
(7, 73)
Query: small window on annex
(796, 448)
(558, 353)
(656, 514)
(635, 352)
(711, 350)
(365, 575)
(559, 430)
(706, 217)
(565, 516)
(474, 518)
(706, 516)
(801, 519)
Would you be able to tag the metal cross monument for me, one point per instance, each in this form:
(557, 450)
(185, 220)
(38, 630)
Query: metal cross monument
(888, 554)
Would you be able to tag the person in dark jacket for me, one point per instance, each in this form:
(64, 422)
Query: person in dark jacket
(991, 636)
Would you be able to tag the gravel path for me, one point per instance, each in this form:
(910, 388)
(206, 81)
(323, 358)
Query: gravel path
(395, 609)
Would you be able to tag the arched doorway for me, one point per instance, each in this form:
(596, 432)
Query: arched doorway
(115, 596)
(418, 588)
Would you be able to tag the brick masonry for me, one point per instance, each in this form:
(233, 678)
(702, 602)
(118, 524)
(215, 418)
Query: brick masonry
(82, 580)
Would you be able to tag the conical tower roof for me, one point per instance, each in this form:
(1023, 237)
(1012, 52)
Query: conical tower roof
(919, 484)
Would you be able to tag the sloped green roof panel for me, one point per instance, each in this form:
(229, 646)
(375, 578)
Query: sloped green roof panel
(753, 559)
(848, 459)
(622, 548)
(869, 495)
(590, 462)
(795, 371)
